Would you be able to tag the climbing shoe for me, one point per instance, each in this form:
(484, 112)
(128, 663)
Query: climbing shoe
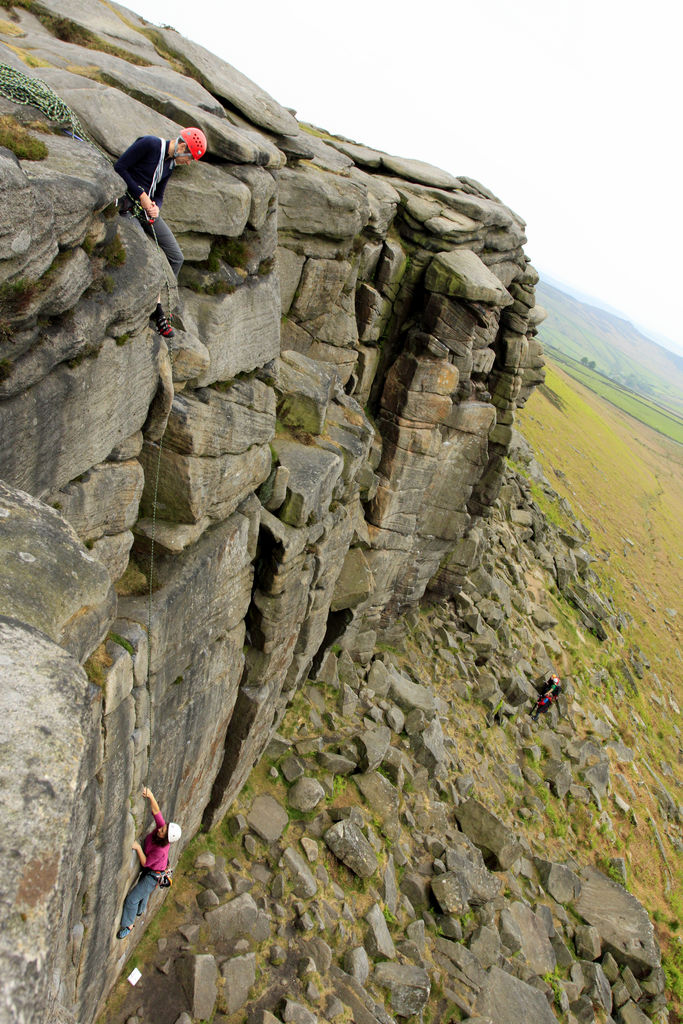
(163, 326)
(122, 932)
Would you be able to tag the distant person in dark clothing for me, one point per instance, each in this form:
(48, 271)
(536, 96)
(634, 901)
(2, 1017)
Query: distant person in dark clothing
(153, 857)
(550, 691)
(553, 684)
(146, 167)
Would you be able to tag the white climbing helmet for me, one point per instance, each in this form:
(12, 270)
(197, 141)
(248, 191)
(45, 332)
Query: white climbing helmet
(174, 832)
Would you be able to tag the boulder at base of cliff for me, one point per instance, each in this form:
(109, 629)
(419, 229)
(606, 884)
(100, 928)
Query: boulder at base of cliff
(507, 1000)
(621, 921)
(495, 840)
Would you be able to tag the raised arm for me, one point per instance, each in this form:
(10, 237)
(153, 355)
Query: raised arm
(149, 795)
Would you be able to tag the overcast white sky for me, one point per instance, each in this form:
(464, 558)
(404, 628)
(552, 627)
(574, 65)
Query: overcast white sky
(569, 110)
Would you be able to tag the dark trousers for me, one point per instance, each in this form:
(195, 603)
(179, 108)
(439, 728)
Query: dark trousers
(160, 230)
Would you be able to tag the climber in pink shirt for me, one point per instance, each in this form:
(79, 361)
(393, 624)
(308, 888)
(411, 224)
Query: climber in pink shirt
(153, 856)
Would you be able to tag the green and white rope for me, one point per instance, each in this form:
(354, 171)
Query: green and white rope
(20, 88)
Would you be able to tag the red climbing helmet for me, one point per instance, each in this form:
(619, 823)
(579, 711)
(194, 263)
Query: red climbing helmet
(196, 141)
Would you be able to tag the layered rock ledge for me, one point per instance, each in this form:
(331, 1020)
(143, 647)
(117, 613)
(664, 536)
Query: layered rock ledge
(354, 334)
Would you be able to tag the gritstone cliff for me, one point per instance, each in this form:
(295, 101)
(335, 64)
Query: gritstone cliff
(312, 452)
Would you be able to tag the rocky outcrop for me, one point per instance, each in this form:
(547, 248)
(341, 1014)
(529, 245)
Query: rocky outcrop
(317, 448)
(373, 901)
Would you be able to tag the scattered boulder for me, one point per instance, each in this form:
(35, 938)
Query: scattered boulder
(509, 931)
(560, 882)
(348, 843)
(630, 1013)
(409, 987)
(489, 833)
(233, 920)
(535, 947)
(466, 882)
(508, 1000)
(373, 745)
(382, 799)
(239, 973)
(559, 775)
(598, 778)
(305, 795)
(587, 942)
(486, 946)
(378, 941)
(303, 882)
(411, 696)
(429, 748)
(356, 963)
(267, 818)
(621, 922)
(198, 975)
(296, 1013)
(597, 986)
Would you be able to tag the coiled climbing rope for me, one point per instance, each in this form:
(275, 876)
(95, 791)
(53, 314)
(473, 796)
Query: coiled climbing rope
(20, 88)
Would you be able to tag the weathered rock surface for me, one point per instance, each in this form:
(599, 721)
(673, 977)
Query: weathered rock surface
(622, 923)
(323, 444)
(48, 580)
(50, 735)
(348, 843)
(240, 330)
(488, 833)
(408, 987)
(198, 975)
(234, 919)
(507, 1000)
(267, 818)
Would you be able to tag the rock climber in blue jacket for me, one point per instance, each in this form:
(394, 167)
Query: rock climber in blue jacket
(146, 167)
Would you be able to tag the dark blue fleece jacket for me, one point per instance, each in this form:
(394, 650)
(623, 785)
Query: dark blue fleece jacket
(138, 164)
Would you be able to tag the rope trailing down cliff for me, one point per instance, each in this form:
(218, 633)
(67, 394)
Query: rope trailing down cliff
(20, 88)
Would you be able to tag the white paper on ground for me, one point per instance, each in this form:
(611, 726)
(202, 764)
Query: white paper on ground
(134, 976)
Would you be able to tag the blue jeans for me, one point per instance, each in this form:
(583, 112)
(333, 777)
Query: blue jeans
(136, 900)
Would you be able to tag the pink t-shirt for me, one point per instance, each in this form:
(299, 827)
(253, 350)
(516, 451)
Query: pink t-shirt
(157, 856)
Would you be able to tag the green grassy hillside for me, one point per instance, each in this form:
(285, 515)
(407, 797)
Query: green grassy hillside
(616, 348)
(647, 411)
(625, 482)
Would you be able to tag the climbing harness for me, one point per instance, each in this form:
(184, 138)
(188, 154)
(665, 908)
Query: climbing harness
(164, 878)
(130, 205)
